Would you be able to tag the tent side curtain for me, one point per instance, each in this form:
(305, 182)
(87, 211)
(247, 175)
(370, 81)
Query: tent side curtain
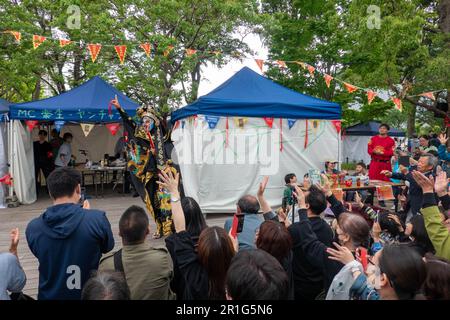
(88, 103)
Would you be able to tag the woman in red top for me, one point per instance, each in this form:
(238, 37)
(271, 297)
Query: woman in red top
(381, 149)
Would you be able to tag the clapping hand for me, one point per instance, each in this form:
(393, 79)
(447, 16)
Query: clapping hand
(342, 254)
(427, 184)
(387, 173)
(169, 182)
(441, 184)
(443, 138)
(15, 237)
(300, 196)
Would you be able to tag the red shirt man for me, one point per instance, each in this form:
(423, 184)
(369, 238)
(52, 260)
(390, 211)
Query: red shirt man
(381, 149)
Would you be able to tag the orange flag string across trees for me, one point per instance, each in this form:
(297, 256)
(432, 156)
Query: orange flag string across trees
(147, 48)
(94, 50)
(121, 52)
(64, 42)
(370, 96)
(350, 88)
(260, 63)
(328, 79)
(37, 41)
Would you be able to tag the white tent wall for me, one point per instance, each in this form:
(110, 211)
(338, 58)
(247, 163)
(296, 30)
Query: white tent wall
(22, 163)
(217, 184)
(3, 160)
(355, 149)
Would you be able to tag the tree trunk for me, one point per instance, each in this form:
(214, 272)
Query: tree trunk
(411, 124)
(195, 77)
(444, 15)
(37, 90)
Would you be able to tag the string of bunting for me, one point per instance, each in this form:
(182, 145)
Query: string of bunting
(94, 50)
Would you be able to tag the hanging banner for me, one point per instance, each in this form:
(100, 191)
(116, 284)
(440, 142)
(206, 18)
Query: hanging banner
(190, 52)
(147, 48)
(281, 135)
(226, 132)
(59, 124)
(167, 51)
(86, 128)
(183, 123)
(37, 41)
(397, 102)
(16, 35)
(281, 63)
(113, 128)
(337, 125)
(315, 126)
(6, 179)
(212, 121)
(370, 96)
(291, 123)
(428, 95)
(269, 121)
(240, 122)
(350, 88)
(306, 134)
(31, 124)
(64, 42)
(260, 63)
(176, 125)
(121, 52)
(328, 79)
(94, 50)
(311, 70)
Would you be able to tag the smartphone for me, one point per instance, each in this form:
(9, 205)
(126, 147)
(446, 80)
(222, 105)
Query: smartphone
(404, 161)
(238, 224)
(82, 196)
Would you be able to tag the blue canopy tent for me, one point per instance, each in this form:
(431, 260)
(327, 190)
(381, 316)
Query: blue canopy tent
(371, 129)
(4, 108)
(87, 103)
(233, 147)
(249, 94)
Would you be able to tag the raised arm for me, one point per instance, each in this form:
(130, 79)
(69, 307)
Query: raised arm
(125, 117)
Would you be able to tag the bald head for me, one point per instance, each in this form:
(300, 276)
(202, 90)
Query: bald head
(248, 204)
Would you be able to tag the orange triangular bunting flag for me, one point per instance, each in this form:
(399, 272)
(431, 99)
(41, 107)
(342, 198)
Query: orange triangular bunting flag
(121, 52)
(16, 35)
(260, 63)
(328, 79)
(350, 88)
(190, 52)
(281, 63)
(428, 95)
(397, 102)
(302, 64)
(64, 42)
(269, 121)
(147, 48)
(167, 51)
(94, 50)
(37, 40)
(311, 70)
(370, 96)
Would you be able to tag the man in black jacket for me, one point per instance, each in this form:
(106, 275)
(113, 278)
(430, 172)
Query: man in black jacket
(426, 165)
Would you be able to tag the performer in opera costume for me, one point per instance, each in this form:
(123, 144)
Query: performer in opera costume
(149, 153)
(381, 149)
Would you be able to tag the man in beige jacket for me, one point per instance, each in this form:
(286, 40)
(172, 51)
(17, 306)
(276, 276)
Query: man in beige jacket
(148, 270)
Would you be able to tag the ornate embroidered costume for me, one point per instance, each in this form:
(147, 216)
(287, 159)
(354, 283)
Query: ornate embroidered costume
(147, 153)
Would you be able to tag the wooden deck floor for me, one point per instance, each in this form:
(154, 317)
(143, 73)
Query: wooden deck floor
(113, 204)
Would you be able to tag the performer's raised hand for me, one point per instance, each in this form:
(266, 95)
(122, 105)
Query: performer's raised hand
(115, 102)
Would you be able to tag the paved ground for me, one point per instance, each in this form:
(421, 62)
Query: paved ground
(113, 204)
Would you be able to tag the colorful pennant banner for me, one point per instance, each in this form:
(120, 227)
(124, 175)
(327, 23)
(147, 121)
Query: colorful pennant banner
(328, 79)
(113, 128)
(269, 121)
(94, 50)
(212, 121)
(59, 124)
(86, 128)
(37, 41)
(121, 52)
(240, 122)
(370, 96)
(64, 42)
(260, 63)
(291, 123)
(147, 48)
